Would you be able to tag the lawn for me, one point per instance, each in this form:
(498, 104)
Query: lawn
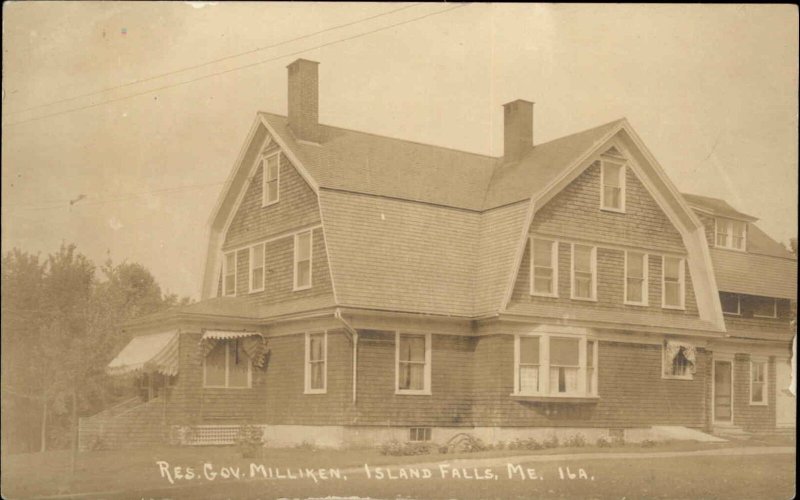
(30, 475)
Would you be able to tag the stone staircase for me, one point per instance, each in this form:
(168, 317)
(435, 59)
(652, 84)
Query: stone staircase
(131, 424)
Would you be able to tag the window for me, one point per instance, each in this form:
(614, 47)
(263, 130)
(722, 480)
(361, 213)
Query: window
(229, 274)
(731, 233)
(544, 267)
(731, 303)
(302, 260)
(227, 365)
(584, 264)
(679, 360)
(636, 278)
(316, 359)
(765, 307)
(552, 365)
(419, 434)
(758, 382)
(257, 268)
(271, 172)
(672, 283)
(612, 195)
(413, 369)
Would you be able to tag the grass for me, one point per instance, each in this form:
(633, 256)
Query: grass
(28, 475)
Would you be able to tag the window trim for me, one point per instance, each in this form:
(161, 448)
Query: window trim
(553, 264)
(251, 268)
(645, 280)
(738, 305)
(295, 287)
(593, 264)
(544, 365)
(307, 386)
(227, 343)
(774, 309)
(681, 283)
(764, 383)
(729, 233)
(264, 161)
(225, 255)
(623, 187)
(426, 390)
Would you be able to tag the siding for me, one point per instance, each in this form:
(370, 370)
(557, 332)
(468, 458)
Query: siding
(632, 392)
(297, 207)
(451, 383)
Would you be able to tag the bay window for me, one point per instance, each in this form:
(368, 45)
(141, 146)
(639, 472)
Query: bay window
(555, 365)
(544, 267)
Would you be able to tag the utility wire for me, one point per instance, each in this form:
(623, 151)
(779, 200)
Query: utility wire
(258, 63)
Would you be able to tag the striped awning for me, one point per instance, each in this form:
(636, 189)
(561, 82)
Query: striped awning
(253, 343)
(157, 352)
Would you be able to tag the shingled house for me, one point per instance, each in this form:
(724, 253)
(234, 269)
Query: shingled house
(360, 288)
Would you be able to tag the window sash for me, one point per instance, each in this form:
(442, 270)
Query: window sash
(758, 382)
(229, 274)
(636, 277)
(316, 362)
(302, 260)
(672, 283)
(236, 371)
(765, 307)
(257, 255)
(271, 173)
(613, 185)
(727, 299)
(730, 233)
(583, 271)
(413, 366)
(544, 267)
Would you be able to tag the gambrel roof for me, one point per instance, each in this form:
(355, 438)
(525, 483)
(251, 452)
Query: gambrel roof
(424, 229)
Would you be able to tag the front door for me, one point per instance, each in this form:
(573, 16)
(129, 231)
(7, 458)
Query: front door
(722, 392)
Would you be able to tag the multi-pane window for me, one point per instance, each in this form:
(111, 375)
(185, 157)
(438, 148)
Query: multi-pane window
(583, 272)
(413, 363)
(227, 365)
(529, 364)
(229, 274)
(316, 358)
(544, 267)
(302, 260)
(764, 307)
(613, 179)
(552, 365)
(679, 359)
(673, 282)
(419, 434)
(635, 278)
(731, 233)
(731, 303)
(271, 169)
(758, 382)
(257, 268)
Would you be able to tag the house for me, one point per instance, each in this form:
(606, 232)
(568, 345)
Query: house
(360, 288)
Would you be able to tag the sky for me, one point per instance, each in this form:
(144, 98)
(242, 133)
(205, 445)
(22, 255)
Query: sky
(711, 90)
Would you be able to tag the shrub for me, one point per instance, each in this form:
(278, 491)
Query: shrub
(466, 443)
(575, 441)
(551, 442)
(396, 448)
(500, 445)
(250, 441)
(603, 443)
(648, 443)
(618, 441)
(306, 445)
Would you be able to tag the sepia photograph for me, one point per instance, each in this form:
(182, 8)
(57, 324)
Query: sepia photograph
(296, 250)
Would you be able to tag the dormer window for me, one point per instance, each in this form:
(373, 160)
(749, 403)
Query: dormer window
(271, 178)
(731, 234)
(612, 179)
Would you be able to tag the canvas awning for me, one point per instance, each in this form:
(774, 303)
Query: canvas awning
(157, 352)
(253, 343)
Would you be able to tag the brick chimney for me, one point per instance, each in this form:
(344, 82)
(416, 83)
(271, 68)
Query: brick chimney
(304, 99)
(518, 129)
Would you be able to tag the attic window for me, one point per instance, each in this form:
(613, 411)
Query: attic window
(612, 179)
(271, 178)
(730, 233)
